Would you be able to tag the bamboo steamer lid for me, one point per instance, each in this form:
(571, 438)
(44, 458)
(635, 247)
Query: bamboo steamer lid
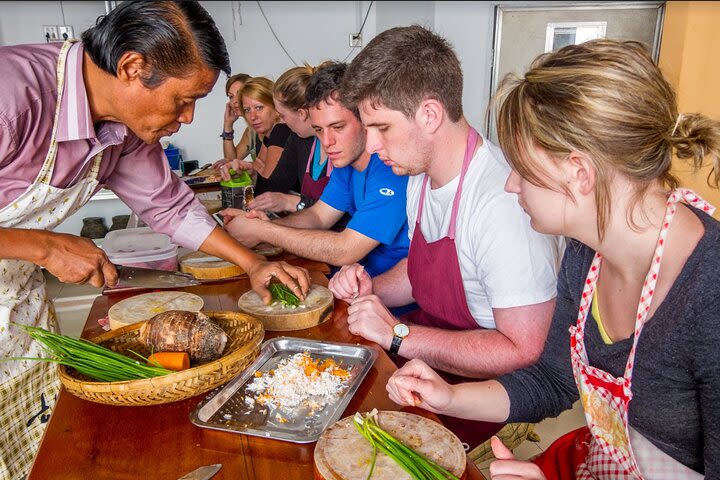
(318, 307)
(208, 270)
(342, 453)
(143, 307)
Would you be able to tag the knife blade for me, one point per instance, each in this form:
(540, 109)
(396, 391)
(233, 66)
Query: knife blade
(202, 473)
(134, 277)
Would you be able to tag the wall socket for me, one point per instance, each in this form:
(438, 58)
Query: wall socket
(50, 33)
(356, 39)
(65, 32)
(57, 33)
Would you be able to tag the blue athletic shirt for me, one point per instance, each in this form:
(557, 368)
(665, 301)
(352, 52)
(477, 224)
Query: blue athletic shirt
(376, 200)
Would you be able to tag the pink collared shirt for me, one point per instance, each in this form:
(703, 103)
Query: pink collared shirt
(138, 173)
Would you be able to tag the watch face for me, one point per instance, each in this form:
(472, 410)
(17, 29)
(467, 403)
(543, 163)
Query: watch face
(301, 205)
(401, 330)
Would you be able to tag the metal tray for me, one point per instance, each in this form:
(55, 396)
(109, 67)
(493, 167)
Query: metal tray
(225, 408)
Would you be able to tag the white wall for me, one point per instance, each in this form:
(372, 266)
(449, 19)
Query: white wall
(21, 22)
(468, 26)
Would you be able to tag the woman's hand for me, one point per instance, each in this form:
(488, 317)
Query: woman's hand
(275, 202)
(219, 164)
(297, 279)
(506, 467)
(418, 385)
(230, 116)
(234, 164)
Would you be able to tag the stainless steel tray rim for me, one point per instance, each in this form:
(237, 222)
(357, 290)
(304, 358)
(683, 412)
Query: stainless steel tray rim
(216, 400)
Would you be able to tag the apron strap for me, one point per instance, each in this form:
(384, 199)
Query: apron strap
(577, 332)
(646, 296)
(46, 171)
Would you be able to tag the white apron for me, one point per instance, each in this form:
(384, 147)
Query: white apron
(28, 389)
(617, 451)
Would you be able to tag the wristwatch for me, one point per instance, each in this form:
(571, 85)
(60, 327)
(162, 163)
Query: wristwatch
(228, 135)
(400, 331)
(300, 205)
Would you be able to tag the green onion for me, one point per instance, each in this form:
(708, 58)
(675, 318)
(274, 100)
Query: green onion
(416, 465)
(283, 294)
(90, 359)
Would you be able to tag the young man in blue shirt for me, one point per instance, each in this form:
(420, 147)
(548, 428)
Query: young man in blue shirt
(360, 184)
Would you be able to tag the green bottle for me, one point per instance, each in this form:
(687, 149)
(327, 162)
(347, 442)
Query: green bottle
(238, 191)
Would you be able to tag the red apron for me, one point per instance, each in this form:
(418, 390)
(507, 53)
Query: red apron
(437, 286)
(608, 448)
(310, 187)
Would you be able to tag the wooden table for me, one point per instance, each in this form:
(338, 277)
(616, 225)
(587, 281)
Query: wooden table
(89, 440)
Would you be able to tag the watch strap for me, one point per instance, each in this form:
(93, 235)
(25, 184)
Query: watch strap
(395, 345)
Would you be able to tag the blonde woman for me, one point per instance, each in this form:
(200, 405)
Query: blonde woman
(590, 131)
(304, 163)
(256, 102)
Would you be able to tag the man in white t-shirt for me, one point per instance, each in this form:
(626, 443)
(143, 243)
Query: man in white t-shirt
(484, 279)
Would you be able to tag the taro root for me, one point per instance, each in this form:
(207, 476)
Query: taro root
(179, 331)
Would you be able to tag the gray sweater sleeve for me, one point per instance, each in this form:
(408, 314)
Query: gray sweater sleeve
(548, 388)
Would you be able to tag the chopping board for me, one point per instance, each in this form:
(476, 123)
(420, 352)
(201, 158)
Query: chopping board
(317, 307)
(143, 307)
(342, 453)
(211, 270)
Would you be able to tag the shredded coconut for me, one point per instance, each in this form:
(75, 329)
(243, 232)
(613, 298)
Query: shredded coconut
(299, 380)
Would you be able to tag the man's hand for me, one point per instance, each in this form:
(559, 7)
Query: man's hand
(76, 260)
(243, 229)
(418, 385)
(369, 318)
(275, 202)
(507, 468)
(257, 214)
(297, 279)
(351, 282)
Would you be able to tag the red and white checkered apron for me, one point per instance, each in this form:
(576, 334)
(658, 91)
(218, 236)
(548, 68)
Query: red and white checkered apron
(605, 398)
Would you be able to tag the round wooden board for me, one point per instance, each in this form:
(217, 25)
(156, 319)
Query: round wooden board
(208, 270)
(342, 453)
(318, 308)
(144, 307)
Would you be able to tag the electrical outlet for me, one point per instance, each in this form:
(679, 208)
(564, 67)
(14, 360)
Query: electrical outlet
(65, 32)
(356, 39)
(50, 33)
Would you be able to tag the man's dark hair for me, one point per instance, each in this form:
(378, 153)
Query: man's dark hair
(174, 38)
(403, 66)
(324, 85)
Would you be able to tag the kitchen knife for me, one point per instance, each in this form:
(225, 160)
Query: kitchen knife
(133, 277)
(202, 473)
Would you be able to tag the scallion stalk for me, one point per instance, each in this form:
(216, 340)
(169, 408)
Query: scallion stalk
(416, 465)
(90, 359)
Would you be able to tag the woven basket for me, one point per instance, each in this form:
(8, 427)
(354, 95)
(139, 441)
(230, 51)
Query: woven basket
(245, 334)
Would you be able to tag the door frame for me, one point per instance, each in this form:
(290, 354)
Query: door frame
(500, 8)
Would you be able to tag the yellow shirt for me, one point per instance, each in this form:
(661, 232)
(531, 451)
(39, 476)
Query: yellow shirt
(596, 315)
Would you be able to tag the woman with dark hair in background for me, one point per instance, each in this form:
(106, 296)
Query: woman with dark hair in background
(246, 145)
(134, 79)
(303, 161)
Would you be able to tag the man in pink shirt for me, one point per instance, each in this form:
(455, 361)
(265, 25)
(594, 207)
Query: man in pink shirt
(77, 117)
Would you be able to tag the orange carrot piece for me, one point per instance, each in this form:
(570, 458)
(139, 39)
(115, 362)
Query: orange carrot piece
(170, 360)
